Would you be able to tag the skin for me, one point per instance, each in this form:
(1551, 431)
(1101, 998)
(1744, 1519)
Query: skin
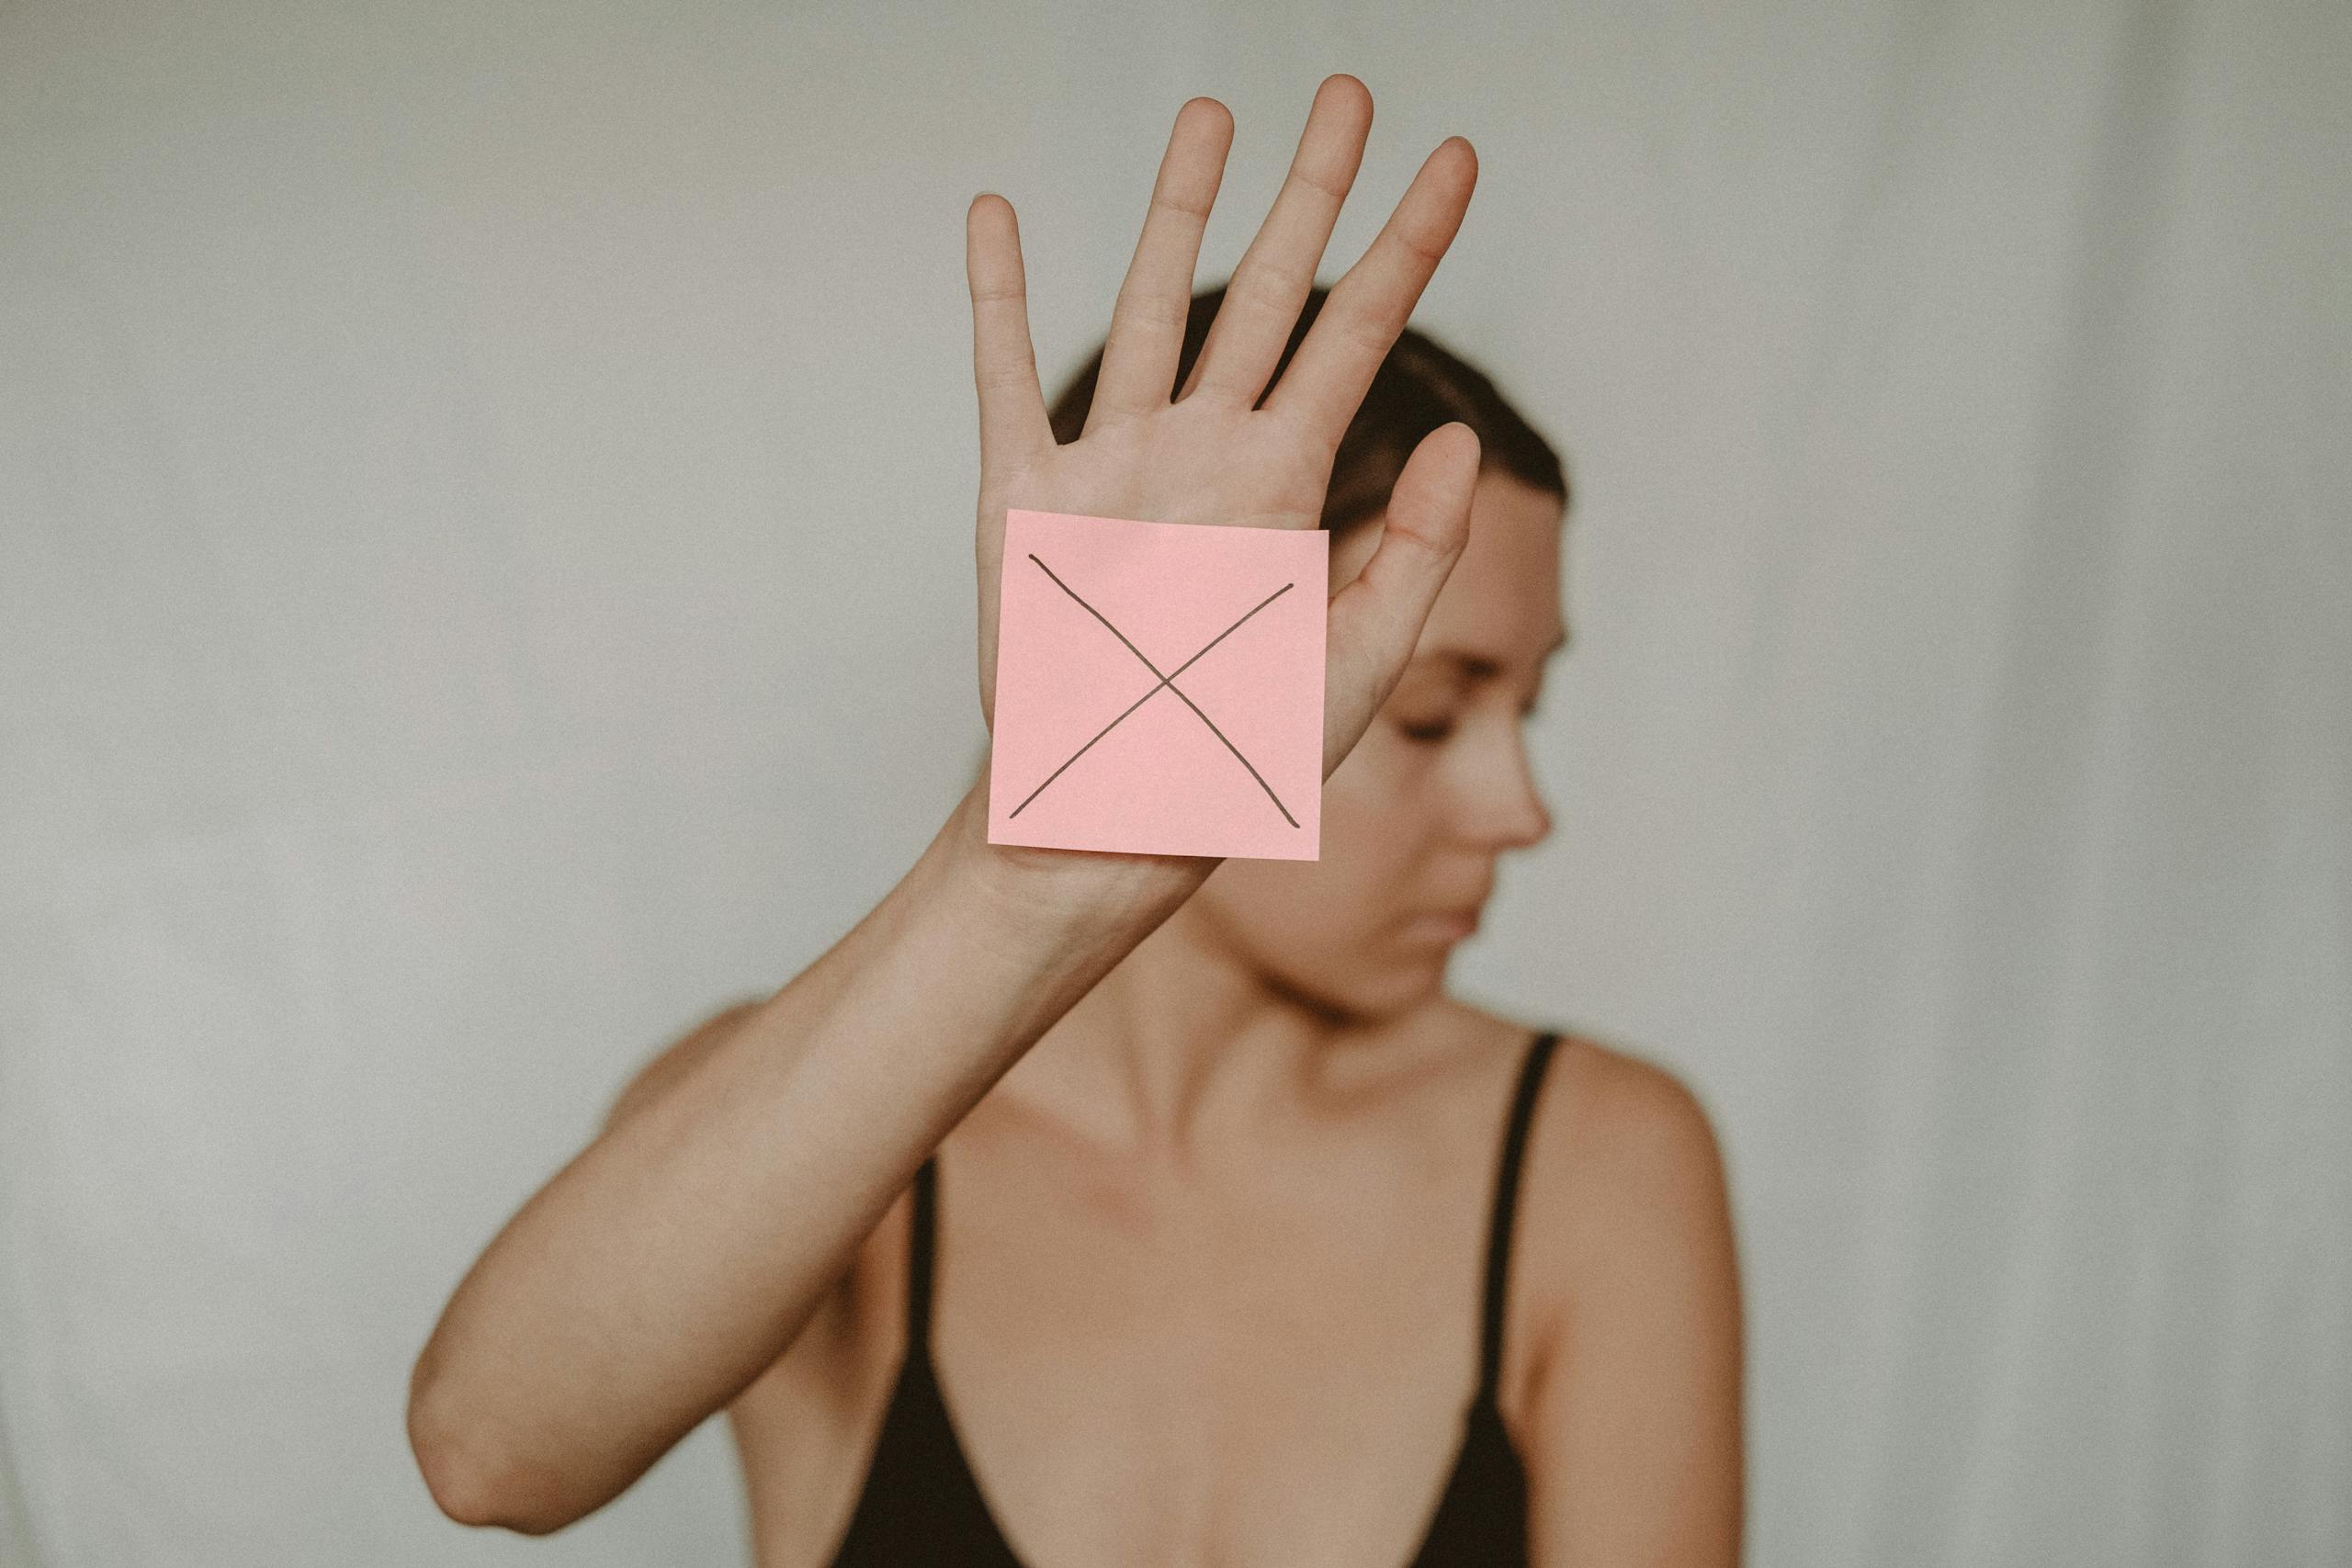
(1432, 796)
(1216, 1147)
(1303, 956)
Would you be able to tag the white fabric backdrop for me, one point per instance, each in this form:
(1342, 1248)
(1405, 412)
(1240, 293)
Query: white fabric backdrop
(485, 580)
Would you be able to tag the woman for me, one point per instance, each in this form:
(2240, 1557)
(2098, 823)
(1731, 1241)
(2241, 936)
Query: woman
(1225, 1234)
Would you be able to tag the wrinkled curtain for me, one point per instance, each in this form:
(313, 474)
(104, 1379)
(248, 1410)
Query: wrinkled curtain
(484, 581)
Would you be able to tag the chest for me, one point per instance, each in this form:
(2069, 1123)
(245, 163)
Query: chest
(1278, 1376)
(1286, 1386)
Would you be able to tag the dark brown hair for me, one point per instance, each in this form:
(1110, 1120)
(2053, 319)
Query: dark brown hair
(1419, 387)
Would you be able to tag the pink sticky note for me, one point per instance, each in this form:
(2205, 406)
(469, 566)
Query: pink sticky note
(1160, 687)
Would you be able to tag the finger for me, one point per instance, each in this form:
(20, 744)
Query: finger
(1376, 620)
(1014, 420)
(1367, 309)
(1262, 299)
(1156, 300)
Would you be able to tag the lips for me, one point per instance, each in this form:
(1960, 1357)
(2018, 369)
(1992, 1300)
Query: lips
(1441, 926)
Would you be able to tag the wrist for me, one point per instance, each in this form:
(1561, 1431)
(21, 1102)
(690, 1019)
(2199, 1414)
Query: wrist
(1068, 890)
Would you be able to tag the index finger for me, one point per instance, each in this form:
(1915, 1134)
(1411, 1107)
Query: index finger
(1367, 309)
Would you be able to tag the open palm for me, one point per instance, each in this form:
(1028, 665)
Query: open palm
(1210, 453)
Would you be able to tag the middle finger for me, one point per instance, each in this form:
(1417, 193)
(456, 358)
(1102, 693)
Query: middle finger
(1262, 299)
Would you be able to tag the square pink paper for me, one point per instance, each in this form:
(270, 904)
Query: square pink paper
(1223, 758)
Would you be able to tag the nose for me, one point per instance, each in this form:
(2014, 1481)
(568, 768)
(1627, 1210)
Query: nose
(1504, 808)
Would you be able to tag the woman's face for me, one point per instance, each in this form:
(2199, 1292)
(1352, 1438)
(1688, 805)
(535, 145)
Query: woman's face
(1415, 818)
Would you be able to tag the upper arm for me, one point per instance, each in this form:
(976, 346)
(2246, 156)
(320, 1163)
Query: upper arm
(1635, 1424)
(676, 1060)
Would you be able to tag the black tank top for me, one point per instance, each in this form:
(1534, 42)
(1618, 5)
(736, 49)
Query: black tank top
(922, 1506)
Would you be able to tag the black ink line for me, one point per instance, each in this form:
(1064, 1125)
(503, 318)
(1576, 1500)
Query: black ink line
(1167, 681)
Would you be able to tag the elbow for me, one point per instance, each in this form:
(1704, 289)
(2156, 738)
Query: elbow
(474, 1483)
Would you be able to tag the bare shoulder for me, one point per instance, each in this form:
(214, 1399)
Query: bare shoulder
(1623, 1167)
(1628, 1126)
(1633, 1376)
(1622, 1196)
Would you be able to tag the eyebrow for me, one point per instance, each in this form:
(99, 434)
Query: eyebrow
(1479, 666)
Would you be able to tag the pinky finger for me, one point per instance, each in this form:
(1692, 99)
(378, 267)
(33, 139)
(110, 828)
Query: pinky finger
(1014, 420)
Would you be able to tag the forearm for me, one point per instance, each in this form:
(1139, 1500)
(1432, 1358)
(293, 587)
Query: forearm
(678, 1255)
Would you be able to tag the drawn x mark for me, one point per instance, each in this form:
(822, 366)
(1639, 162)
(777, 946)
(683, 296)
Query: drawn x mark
(1168, 683)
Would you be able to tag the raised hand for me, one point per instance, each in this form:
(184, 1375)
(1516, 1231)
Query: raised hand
(1211, 454)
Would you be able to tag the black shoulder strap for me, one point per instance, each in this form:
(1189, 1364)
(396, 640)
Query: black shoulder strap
(919, 1249)
(1506, 1203)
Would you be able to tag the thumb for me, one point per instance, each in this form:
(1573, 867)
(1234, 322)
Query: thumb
(1377, 619)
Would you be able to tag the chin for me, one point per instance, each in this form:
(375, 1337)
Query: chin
(1369, 994)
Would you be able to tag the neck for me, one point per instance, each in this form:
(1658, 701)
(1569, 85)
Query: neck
(1183, 1049)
